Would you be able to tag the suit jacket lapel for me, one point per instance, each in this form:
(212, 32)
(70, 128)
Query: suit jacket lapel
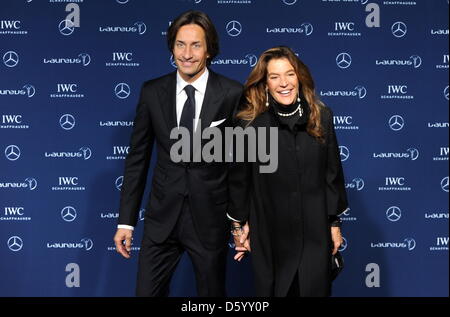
(212, 101)
(167, 100)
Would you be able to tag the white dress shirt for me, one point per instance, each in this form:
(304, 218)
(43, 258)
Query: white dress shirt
(181, 97)
(200, 89)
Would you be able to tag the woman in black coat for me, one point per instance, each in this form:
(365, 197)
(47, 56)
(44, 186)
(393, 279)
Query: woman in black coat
(291, 215)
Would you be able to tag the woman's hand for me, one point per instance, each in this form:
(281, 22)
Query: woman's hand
(242, 242)
(336, 237)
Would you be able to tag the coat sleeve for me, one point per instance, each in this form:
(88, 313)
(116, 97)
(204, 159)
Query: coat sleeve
(335, 182)
(239, 180)
(136, 164)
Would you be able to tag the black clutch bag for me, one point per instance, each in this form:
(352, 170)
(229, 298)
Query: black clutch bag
(337, 264)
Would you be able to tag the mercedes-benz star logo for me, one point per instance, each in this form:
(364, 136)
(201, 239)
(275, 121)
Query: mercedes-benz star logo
(344, 152)
(142, 214)
(172, 61)
(67, 122)
(234, 28)
(446, 92)
(343, 245)
(11, 59)
(444, 184)
(396, 123)
(15, 243)
(344, 60)
(12, 152)
(119, 182)
(122, 90)
(393, 213)
(346, 212)
(66, 27)
(289, 2)
(399, 29)
(68, 213)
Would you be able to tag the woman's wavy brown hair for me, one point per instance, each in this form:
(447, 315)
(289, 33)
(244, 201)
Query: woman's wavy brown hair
(255, 89)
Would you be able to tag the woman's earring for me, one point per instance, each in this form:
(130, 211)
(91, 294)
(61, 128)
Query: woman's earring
(298, 96)
(267, 97)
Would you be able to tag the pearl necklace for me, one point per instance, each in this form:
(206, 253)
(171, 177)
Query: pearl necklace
(299, 109)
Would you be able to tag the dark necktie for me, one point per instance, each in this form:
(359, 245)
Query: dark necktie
(188, 113)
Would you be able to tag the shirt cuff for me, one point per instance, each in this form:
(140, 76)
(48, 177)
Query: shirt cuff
(125, 227)
(232, 219)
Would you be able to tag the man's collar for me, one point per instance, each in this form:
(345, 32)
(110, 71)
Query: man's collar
(199, 84)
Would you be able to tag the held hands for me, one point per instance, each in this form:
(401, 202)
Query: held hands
(241, 240)
(123, 235)
(336, 237)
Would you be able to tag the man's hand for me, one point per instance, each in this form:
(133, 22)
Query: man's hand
(242, 242)
(337, 238)
(123, 235)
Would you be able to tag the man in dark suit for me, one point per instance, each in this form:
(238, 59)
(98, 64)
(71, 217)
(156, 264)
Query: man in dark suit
(188, 202)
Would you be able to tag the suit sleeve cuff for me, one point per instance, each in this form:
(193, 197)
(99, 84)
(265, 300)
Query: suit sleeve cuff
(125, 227)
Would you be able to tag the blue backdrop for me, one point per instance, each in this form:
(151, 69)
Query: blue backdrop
(68, 93)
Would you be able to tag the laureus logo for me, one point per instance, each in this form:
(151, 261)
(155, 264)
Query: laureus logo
(31, 182)
(87, 153)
